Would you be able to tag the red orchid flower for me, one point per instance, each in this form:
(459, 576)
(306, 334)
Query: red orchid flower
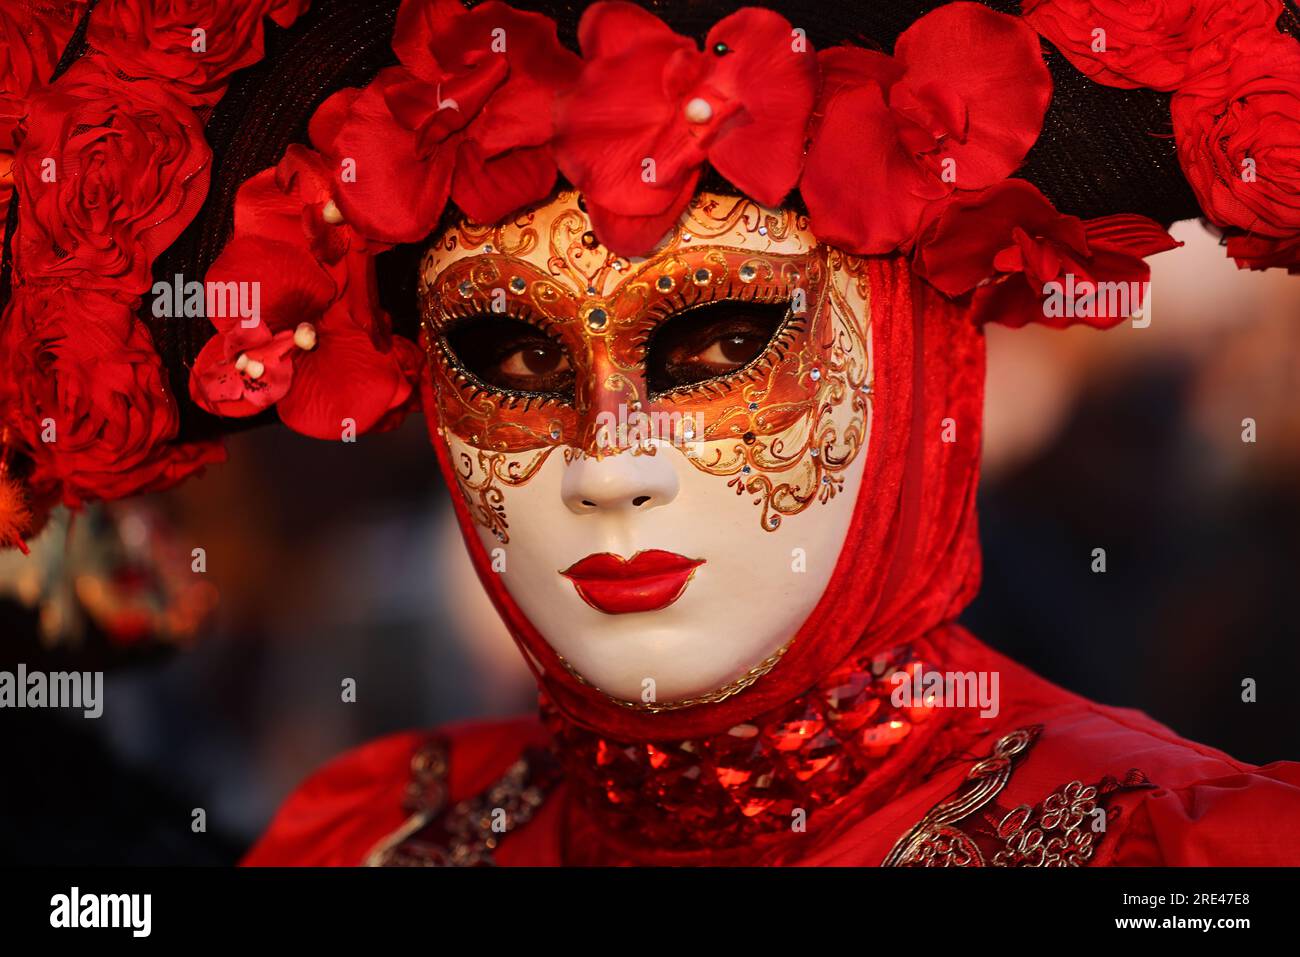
(1007, 243)
(957, 106)
(296, 199)
(466, 115)
(319, 384)
(319, 348)
(649, 109)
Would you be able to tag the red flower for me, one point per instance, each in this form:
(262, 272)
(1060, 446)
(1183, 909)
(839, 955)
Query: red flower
(649, 109)
(467, 114)
(1260, 252)
(320, 348)
(88, 395)
(1135, 43)
(411, 358)
(958, 105)
(193, 44)
(294, 208)
(1238, 138)
(980, 242)
(109, 179)
(30, 46)
(335, 381)
(29, 49)
(6, 190)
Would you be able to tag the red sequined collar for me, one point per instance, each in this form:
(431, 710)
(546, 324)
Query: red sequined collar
(760, 779)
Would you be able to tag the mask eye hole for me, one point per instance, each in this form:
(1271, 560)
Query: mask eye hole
(710, 342)
(511, 356)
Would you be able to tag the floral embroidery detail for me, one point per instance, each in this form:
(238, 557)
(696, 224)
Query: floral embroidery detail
(970, 830)
(1069, 805)
(1056, 836)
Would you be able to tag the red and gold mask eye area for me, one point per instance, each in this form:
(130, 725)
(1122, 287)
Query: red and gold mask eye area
(523, 360)
(710, 341)
(511, 355)
(703, 343)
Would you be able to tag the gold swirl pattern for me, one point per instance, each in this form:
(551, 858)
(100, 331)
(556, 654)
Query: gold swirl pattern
(1063, 830)
(782, 430)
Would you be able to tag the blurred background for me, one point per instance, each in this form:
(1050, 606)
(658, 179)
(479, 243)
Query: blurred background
(332, 561)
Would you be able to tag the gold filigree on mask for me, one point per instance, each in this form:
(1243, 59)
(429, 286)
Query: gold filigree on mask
(482, 475)
(783, 429)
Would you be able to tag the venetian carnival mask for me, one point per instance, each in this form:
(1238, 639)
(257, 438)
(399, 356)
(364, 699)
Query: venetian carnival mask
(660, 455)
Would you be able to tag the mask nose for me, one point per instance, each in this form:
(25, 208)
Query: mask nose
(623, 483)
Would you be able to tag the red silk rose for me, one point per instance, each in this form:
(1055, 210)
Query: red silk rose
(466, 115)
(958, 105)
(320, 349)
(1238, 139)
(88, 395)
(30, 46)
(6, 190)
(192, 44)
(109, 179)
(29, 49)
(1007, 242)
(649, 109)
(1136, 43)
(1261, 252)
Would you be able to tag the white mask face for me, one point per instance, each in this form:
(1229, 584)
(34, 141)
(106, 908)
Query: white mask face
(662, 456)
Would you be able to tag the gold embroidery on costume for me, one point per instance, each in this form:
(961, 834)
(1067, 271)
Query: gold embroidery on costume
(1058, 835)
(970, 830)
(469, 833)
(935, 842)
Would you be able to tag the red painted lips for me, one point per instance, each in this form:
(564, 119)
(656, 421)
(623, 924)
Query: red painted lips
(647, 581)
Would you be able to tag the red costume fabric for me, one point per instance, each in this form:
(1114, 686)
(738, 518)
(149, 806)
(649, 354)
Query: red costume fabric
(1201, 807)
(1051, 779)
